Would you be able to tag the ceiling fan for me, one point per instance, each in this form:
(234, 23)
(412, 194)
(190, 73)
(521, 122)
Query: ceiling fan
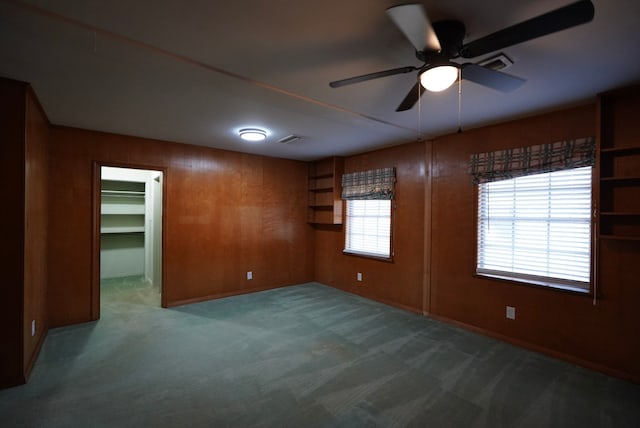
(439, 43)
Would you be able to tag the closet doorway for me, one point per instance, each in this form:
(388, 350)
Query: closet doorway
(129, 250)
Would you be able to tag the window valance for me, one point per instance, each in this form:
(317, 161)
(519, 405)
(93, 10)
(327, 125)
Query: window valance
(372, 184)
(511, 163)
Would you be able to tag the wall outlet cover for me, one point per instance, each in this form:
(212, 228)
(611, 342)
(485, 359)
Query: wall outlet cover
(511, 312)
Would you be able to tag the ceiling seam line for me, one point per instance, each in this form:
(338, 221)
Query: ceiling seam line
(147, 46)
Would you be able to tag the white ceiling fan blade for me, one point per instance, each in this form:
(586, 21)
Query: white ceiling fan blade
(412, 20)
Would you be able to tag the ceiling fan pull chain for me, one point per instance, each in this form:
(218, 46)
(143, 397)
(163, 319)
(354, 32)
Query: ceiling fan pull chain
(419, 114)
(459, 100)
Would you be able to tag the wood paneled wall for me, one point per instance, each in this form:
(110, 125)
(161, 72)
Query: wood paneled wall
(604, 336)
(23, 228)
(225, 213)
(436, 218)
(399, 282)
(36, 229)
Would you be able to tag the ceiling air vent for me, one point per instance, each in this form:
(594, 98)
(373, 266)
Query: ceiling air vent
(288, 139)
(497, 62)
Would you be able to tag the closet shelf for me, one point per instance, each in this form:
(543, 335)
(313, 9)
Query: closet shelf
(122, 209)
(123, 193)
(127, 229)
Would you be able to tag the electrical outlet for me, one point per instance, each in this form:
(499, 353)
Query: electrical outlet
(359, 276)
(249, 275)
(33, 328)
(511, 312)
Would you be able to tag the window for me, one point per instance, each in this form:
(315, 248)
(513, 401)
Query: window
(368, 227)
(368, 221)
(537, 228)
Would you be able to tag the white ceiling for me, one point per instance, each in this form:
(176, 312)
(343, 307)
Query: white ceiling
(197, 71)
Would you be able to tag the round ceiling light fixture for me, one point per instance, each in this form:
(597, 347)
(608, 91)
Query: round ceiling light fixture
(252, 134)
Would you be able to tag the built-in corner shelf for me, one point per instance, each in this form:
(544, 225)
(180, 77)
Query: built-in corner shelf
(621, 150)
(634, 180)
(619, 166)
(324, 188)
(619, 238)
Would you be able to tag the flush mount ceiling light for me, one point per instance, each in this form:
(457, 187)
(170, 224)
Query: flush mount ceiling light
(252, 134)
(439, 77)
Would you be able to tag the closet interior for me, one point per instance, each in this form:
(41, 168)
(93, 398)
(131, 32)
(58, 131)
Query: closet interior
(131, 225)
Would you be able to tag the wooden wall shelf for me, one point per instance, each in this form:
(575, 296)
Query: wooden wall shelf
(620, 238)
(621, 150)
(619, 166)
(324, 195)
(620, 180)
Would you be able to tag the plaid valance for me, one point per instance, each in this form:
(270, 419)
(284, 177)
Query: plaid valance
(511, 163)
(372, 184)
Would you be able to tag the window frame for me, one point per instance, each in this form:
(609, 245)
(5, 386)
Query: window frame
(544, 283)
(371, 255)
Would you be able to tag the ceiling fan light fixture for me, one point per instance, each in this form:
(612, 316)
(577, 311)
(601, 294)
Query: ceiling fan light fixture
(252, 134)
(439, 77)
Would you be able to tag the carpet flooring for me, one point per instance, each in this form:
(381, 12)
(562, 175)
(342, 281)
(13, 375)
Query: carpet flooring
(302, 356)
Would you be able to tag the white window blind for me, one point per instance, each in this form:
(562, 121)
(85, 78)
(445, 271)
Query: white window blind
(537, 228)
(368, 227)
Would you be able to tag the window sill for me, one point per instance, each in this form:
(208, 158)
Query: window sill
(538, 283)
(368, 256)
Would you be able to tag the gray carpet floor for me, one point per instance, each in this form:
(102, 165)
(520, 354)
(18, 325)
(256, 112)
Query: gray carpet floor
(301, 356)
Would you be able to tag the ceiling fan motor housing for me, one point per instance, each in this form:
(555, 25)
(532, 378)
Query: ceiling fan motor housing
(451, 35)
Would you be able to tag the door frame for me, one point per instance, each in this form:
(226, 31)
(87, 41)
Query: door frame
(95, 235)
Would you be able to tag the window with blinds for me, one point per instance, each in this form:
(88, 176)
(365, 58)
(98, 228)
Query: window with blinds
(537, 228)
(368, 227)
